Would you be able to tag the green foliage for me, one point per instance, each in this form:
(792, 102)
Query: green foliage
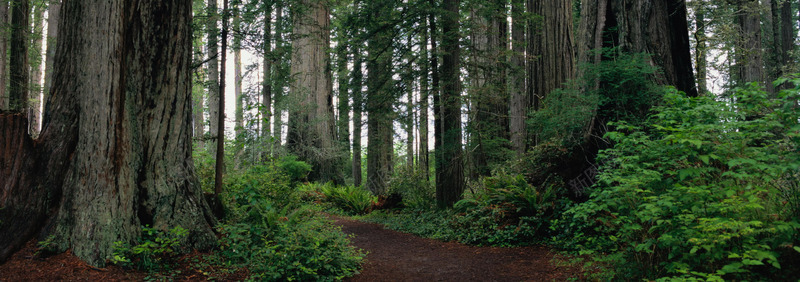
(411, 184)
(46, 246)
(252, 194)
(351, 199)
(697, 191)
(154, 251)
(296, 170)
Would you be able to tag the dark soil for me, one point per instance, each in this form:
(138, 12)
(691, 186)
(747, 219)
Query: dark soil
(397, 256)
(393, 256)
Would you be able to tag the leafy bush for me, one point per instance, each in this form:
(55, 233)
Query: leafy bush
(252, 194)
(411, 184)
(695, 192)
(156, 250)
(290, 246)
(296, 170)
(351, 199)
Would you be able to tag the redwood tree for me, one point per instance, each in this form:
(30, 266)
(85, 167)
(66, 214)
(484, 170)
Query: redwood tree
(115, 150)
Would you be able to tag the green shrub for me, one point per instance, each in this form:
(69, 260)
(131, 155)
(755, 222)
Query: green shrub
(296, 246)
(412, 185)
(155, 251)
(254, 193)
(691, 193)
(351, 199)
(296, 170)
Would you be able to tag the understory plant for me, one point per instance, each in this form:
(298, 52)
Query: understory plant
(704, 189)
(156, 250)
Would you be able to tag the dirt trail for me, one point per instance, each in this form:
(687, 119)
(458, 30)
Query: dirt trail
(396, 256)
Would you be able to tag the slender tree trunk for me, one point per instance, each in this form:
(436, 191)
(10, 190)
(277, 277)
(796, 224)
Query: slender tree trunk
(450, 168)
(518, 103)
(280, 44)
(220, 121)
(135, 102)
(36, 69)
(379, 98)
(436, 91)
(701, 50)
(311, 121)
(4, 18)
(18, 63)
(343, 122)
(423, 101)
(237, 78)
(358, 105)
(53, 18)
(787, 41)
(266, 84)
(410, 122)
(213, 75)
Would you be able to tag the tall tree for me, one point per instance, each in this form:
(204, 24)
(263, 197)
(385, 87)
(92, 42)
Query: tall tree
(786, 39)
(356, 85)
(212, 67)
(380, 95)
(449, 163)
(18, 63)
(311, 121)
(4, 18)
(342, 95)
(424, 97)
(518, 103)
(115, 150)
(279, 72)
(237, 72)
(53, 18)
(219, 168)
(749, 56)
(552, 62)
(701, 50)
(199, 76)
(266, 83)
(36, 33)
(488, 125)
(658, 28)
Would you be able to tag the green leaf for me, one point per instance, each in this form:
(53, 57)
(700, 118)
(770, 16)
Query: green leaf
(796, 248)
(704, 158)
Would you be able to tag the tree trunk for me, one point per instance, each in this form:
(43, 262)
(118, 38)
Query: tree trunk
(450, 169)
(423, 101)
(551, 39)
(749, 59)
(18, 63)
(518, 104)
(343, 122)
(410, 121)
(115, 150)
(358, 105)
(237, 81)
(36, 69)
(787, 41)
(266, 84)
(379, 98)
(658, 28)
(3, 56)
(219, 168)
(280, 77)
(311, 122)
(213, 75)
(701, 50)
(53, 18)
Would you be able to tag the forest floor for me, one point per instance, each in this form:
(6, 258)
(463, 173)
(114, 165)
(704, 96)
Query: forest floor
(397, 256)
(392, 256)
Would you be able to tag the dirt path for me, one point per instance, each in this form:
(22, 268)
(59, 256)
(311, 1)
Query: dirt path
(396, 256)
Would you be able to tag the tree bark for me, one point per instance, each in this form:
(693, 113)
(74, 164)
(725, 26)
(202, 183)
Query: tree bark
(266, 84)
(358, 106)
(658, 28)
(213, 99)
(4, 18)
(36, 69)
(115, 150)
(18, 63)
(553, 48)
(280, 76)
(749, 59)
(53, 18)
(237, 79)
(379, 97)
(422, 160)
(701, 50)
(518, 104)
(343, 97)
(219, 167)
(311, 121)
(787, 41)
(450, 168)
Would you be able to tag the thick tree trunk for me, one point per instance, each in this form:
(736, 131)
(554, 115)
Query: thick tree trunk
(213, 74)
(115, 151)
(18, 62)
(552, 62)
(787, 41)
(450, 168)
(658, 28)
(518, 104)
(749, 59)
(379, 98)
(3, 56)
(311, 122)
